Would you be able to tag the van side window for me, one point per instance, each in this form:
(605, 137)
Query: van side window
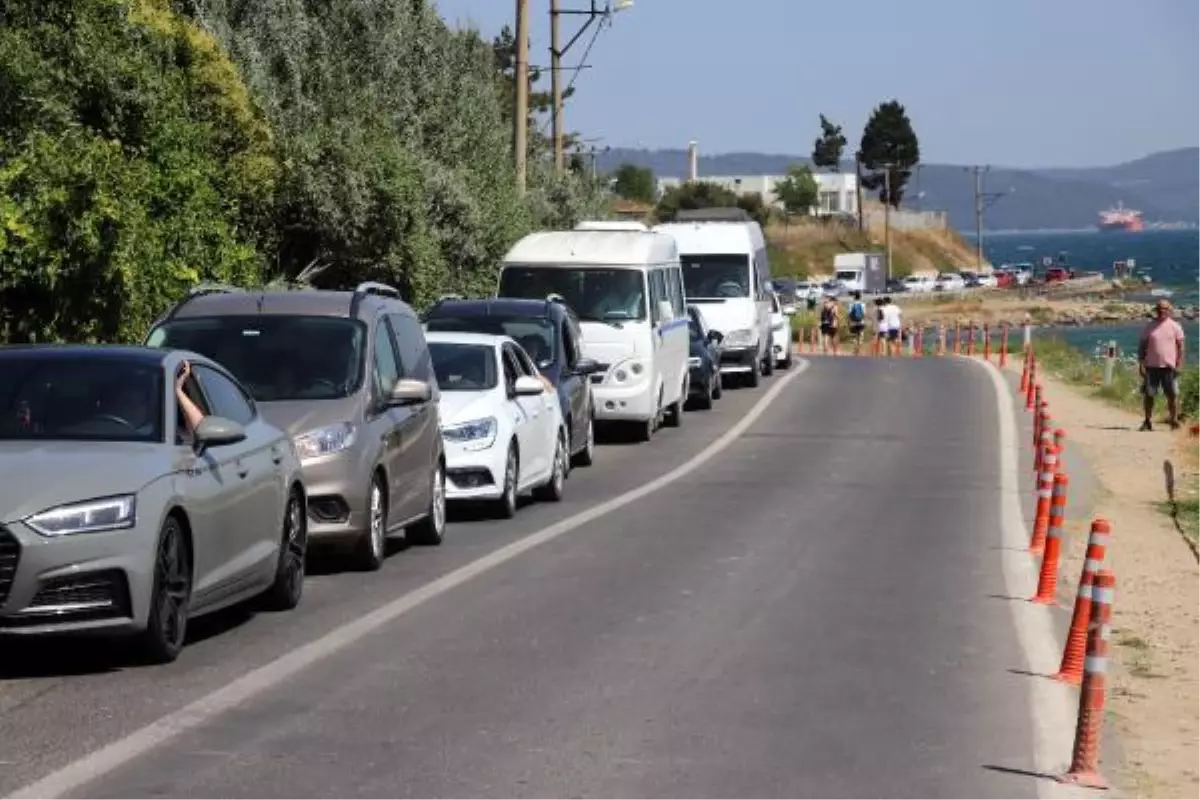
(658, 293)
(414, 352)
(675, 284)
(570, 345)
(386, 367)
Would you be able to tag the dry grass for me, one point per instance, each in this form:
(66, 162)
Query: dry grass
(808, 248)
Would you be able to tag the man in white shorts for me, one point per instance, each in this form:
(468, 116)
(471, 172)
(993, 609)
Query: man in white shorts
(892, 323)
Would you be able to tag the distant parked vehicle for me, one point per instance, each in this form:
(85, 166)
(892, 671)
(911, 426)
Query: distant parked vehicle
(919, 284)
(1056, 275)
(987, 280)
(781, 332)
(949, 282)
(896, 286)
(120, 514)
(501, 421)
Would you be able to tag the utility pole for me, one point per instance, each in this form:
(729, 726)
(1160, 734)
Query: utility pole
(887, 216)
(594, 11)
(521, 94)
(556, 87)
(983, 201)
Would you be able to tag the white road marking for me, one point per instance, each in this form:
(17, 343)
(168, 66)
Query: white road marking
(103, 761)
(1052, 705)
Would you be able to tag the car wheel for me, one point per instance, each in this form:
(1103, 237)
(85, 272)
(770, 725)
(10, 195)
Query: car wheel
(170, 598)
(718, 380)
(586, 456)
(431, 531)
(787, 361)
(674, 417)
(552, 490)
(769, 361)
(507, 504)
(372, 546)
(288, 588)
(704, 402)
(753, 377)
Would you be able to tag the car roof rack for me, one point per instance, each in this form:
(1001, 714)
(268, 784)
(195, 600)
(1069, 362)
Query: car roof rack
(200, 290)
(371, 288)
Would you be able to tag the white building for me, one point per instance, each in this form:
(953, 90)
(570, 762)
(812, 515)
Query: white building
(837, 192)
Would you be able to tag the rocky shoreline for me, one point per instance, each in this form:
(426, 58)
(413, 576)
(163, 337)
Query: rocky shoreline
(1049, 314)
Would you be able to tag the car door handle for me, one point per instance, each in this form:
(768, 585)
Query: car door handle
(276, 457)
(242, 472)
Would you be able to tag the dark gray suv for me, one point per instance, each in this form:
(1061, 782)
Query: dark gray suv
(348, 376)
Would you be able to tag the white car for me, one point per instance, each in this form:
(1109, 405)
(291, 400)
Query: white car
(501, 421)
(918, 284)
(987, 280)
(781, 332)
(949, 282)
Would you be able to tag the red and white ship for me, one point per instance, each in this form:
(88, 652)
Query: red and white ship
(1120, 219)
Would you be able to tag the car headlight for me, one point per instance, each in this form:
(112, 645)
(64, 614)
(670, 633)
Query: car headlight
(323, 441)
(480, 434)
(91, 516)
(693, 361)
(742, 337)
(629, 372)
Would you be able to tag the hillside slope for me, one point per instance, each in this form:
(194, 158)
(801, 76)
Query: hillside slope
(808, 249)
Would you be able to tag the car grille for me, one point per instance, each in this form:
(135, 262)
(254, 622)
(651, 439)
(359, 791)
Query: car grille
(10, 555)
(76, 598)
(598, 375)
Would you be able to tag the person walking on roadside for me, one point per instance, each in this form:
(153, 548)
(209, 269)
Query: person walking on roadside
(892, 322)
(1160, 355)
(857, 317)
(830, 314)
(880, 344)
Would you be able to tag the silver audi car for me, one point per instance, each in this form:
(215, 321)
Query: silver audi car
(139, 488)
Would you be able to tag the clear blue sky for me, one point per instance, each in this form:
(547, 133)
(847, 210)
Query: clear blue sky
(1022, 83)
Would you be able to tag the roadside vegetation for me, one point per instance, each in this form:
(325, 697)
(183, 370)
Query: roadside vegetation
(146, 145)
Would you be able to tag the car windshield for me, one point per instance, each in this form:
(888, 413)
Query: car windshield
(276, 357)
(598, 294)
(463, 367)
(711, 277)
(535, 334)
(80, 399)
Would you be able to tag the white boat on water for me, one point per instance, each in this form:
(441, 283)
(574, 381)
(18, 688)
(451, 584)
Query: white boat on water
(1162, 292)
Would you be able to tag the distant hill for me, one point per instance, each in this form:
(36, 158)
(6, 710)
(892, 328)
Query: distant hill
(1164, 186)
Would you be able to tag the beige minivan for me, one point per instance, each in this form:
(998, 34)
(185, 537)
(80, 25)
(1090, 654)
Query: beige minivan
(349, 377)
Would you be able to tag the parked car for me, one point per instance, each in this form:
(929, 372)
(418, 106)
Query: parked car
(919, 284)
(503, 425)
(548, 330)
(348, 376)
(970, 279)
(1005, 278)
(781, 332)
(119, 516)
(704, 361)
(948, 282)
(895, 286)
(987, 280)
(1056, 274)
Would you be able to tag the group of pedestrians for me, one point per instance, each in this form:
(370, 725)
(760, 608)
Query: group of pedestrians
(888, 325)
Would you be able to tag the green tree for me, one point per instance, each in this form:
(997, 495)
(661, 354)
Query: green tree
(541, 102)
(828, 148)
(798, 191)
(888, 152)
(132, 164)
(634, 183)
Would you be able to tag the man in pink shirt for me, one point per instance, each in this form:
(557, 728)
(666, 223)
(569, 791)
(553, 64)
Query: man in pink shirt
(1160, 355)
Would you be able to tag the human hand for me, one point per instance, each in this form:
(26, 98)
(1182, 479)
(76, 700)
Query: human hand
(185, 372)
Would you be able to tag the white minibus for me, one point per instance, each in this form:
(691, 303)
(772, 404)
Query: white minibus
(627, 290)
(726, 274)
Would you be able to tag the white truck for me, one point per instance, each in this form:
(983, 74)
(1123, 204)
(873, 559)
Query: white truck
(860, 272)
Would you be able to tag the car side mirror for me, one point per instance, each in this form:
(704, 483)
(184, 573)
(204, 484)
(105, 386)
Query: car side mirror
(409, 392)
(528, 386)
(789, 310)
(587, 366)
(716, 337)
(665, 311)
(217, 432)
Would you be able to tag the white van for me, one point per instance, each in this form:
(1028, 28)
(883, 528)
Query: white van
(626, 288)
(726, 274)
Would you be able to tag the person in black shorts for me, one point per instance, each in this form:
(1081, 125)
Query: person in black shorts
(829, 326)
(857, 322)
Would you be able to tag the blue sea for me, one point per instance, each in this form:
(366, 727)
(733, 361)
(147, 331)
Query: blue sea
(1171, 258)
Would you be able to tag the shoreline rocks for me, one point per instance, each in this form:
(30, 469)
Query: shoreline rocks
(1072, 314)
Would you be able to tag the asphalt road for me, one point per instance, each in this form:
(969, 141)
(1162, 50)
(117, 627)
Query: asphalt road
(818, 610)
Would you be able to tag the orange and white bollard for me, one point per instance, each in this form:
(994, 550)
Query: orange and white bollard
(941, 340)
(1003, 345)
(1029, 389)
(1048, 575)
(1045, 492)
(1070, 670)
(1041, 407)
(987, 341)
(1045, 437)
(1024, 387)
(1060, 442)
(970, 337)
(957, 337)
(1085, 755)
